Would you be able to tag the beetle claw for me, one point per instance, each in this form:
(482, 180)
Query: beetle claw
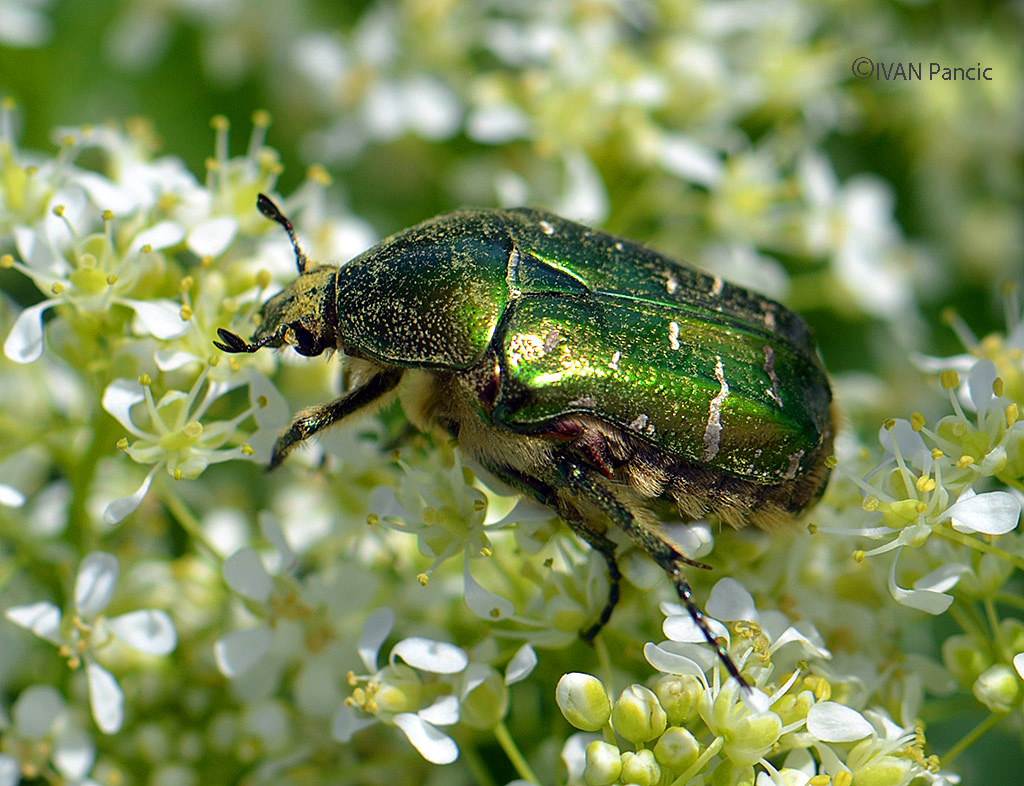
(232, 342)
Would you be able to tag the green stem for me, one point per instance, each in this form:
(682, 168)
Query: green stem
(979, 545)
(476, 766)
(514, 755)
(970, 738)
(1001, 646)
(186, 519)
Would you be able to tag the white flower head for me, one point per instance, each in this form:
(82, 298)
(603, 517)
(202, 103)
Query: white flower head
(84, 633)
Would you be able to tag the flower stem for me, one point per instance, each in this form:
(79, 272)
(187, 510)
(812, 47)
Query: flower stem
(979, 545)
(970, 738)
(187, 519)
(514, 755)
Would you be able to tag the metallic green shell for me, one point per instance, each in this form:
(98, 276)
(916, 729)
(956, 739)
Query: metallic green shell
(582, 322)
(701, 369)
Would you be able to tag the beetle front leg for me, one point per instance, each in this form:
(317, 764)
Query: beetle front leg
(310, 421)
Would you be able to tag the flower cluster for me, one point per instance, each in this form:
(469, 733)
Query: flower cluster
(687, 726)
(380, 608)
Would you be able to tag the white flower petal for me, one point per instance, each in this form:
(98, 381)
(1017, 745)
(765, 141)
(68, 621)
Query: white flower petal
(74, 753)
(10, 497)
(991, 513)
(106, 194)
(496, 124)
(159, 318)
(212, 237)
(943, 578)
(270, 528)
(521, 665)
(920, 599)
(483, 603)
(681, 627)
(24, 343)
(105, 698)
(117, 510)
(438, 657)
(94, 585)
(37, 709)
(830, 721)
(434, 745)
(347, 721)
(160, 236)
(729, 600)
(147, 630)
(375, 630)
(443, 712)
(671, 662)
(118, 399)
(10, 770)
(245, 574)
(979, 385)
(237, 652)
(584, 196)
(173, 359)
(910, 443)
(690, 160)
(1018, 664)
(42, 618)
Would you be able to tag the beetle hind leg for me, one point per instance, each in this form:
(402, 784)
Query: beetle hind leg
(583, 482)
(545, 493)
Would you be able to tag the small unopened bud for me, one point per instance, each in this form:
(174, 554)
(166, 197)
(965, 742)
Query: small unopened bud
(583, 701)
(640, 768)
(678, 696)
(637, 715)
(603, 764)
(998, 688)
(677, 748)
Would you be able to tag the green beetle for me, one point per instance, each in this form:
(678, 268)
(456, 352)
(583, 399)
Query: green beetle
(592, 372)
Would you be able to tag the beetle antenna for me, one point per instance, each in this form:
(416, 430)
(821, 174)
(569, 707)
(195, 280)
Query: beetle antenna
(267, 207)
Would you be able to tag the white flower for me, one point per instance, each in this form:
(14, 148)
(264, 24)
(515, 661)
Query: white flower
(45, 736)
(398, 695)
(87, 631)
(171, 433)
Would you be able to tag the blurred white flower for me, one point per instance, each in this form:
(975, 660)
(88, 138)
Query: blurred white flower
(81, 635)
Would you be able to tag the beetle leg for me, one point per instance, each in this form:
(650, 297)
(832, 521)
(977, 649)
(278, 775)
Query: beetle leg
(546, 495)
(310, 421)
(582, 481)
(606, 548)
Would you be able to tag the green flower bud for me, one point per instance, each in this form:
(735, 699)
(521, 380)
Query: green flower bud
(603, 765)
(676, 748)
(964, 659)
(637, 715)
(678, 696)
(486, 704)
(998, 688)
(583, 701)
(640, 768)
(729, 774)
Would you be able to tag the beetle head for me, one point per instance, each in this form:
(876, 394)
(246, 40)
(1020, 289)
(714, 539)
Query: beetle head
(302, 315)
